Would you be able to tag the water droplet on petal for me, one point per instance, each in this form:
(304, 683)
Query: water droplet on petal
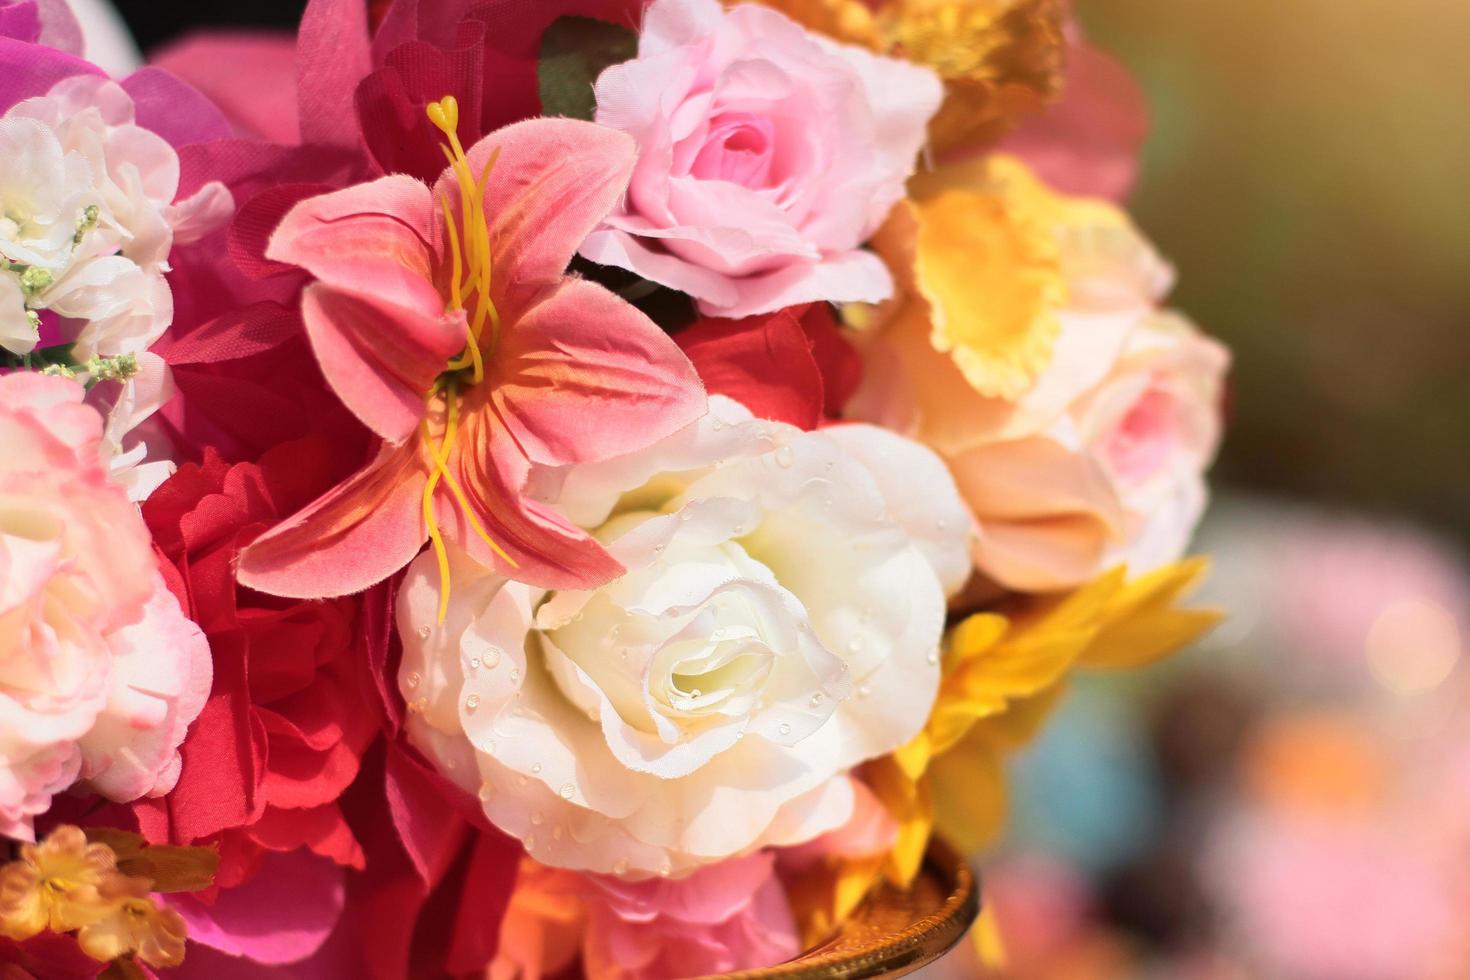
(817, 699)
(423, 632)
(558, 832)
(413, 680)
(933, 657)
(530, 842)
(785, 729)
(865, 691)
(536, 768)
(665, 868)
(474, 663)
(486, 791)
(785, 456)
(537, 819)
(620, 866)
(515, 674)
(566, 792)
(472, 702)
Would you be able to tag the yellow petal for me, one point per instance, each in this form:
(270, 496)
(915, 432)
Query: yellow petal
(1144, 622)
(989, 944)
(992, 275)
(849, 21)
(1000, 60)
(969, 794)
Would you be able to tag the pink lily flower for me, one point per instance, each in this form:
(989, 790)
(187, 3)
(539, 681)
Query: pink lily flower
(444, 319)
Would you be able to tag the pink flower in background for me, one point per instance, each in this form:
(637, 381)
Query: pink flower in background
(1088, 141)
(100, 672)
(729, 916)
(766, 156)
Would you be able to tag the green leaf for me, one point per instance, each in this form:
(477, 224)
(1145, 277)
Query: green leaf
(574, 51)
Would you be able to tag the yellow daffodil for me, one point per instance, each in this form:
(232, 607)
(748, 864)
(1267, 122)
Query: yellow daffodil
(55, 885)
(987, 258)
(999, 59)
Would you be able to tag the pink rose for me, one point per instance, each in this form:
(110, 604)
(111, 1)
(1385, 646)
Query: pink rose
(767, 156)
(728, 916)
(100, 672)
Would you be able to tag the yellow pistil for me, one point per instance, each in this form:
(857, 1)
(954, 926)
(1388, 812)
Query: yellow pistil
(470, 276)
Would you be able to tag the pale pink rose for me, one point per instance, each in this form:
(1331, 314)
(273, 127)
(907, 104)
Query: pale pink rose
(726, 917)
(767, 156)
(100, 672)
(1117, 479)
(777, 623)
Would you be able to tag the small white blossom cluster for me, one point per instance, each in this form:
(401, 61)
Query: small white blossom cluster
(87, 220)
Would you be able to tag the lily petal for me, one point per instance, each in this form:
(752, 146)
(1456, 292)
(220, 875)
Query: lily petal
(376, 321)
(350, 538)
(585, 376)
(554, 181)
(379, 359)
(548, 550)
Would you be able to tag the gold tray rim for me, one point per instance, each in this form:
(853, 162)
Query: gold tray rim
(923, 942)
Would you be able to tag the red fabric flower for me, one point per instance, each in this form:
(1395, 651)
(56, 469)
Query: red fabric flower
(791, 366)
(287, 721)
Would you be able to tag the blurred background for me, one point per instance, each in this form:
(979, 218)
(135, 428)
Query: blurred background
(1292, 799)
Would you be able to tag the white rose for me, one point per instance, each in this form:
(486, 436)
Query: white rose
(778, 623)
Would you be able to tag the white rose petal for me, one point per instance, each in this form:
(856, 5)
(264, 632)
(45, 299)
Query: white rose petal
(778, 623)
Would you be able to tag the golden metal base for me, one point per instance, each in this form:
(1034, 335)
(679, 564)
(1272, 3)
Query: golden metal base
(894, 932)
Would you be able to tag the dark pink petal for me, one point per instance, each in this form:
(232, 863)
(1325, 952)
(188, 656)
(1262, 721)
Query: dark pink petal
(1088, 142)
(28, 70)
(250, 76)
(21, 21)
(391, 101)
(333, 54)
(354, 536)
(583, 375)
(281, 914)
(174, 109)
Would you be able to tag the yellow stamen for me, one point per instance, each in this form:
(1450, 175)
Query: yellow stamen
(470, 275)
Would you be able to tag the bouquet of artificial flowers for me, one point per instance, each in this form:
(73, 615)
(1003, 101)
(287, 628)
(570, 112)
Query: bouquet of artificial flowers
(518, 487)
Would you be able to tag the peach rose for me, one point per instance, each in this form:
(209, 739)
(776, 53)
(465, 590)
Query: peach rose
(1028, 350)
(766, 156)
(100, 671)
(777, 623)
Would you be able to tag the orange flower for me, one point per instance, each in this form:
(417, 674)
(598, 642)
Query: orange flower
(135, 924)
(56, 885)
